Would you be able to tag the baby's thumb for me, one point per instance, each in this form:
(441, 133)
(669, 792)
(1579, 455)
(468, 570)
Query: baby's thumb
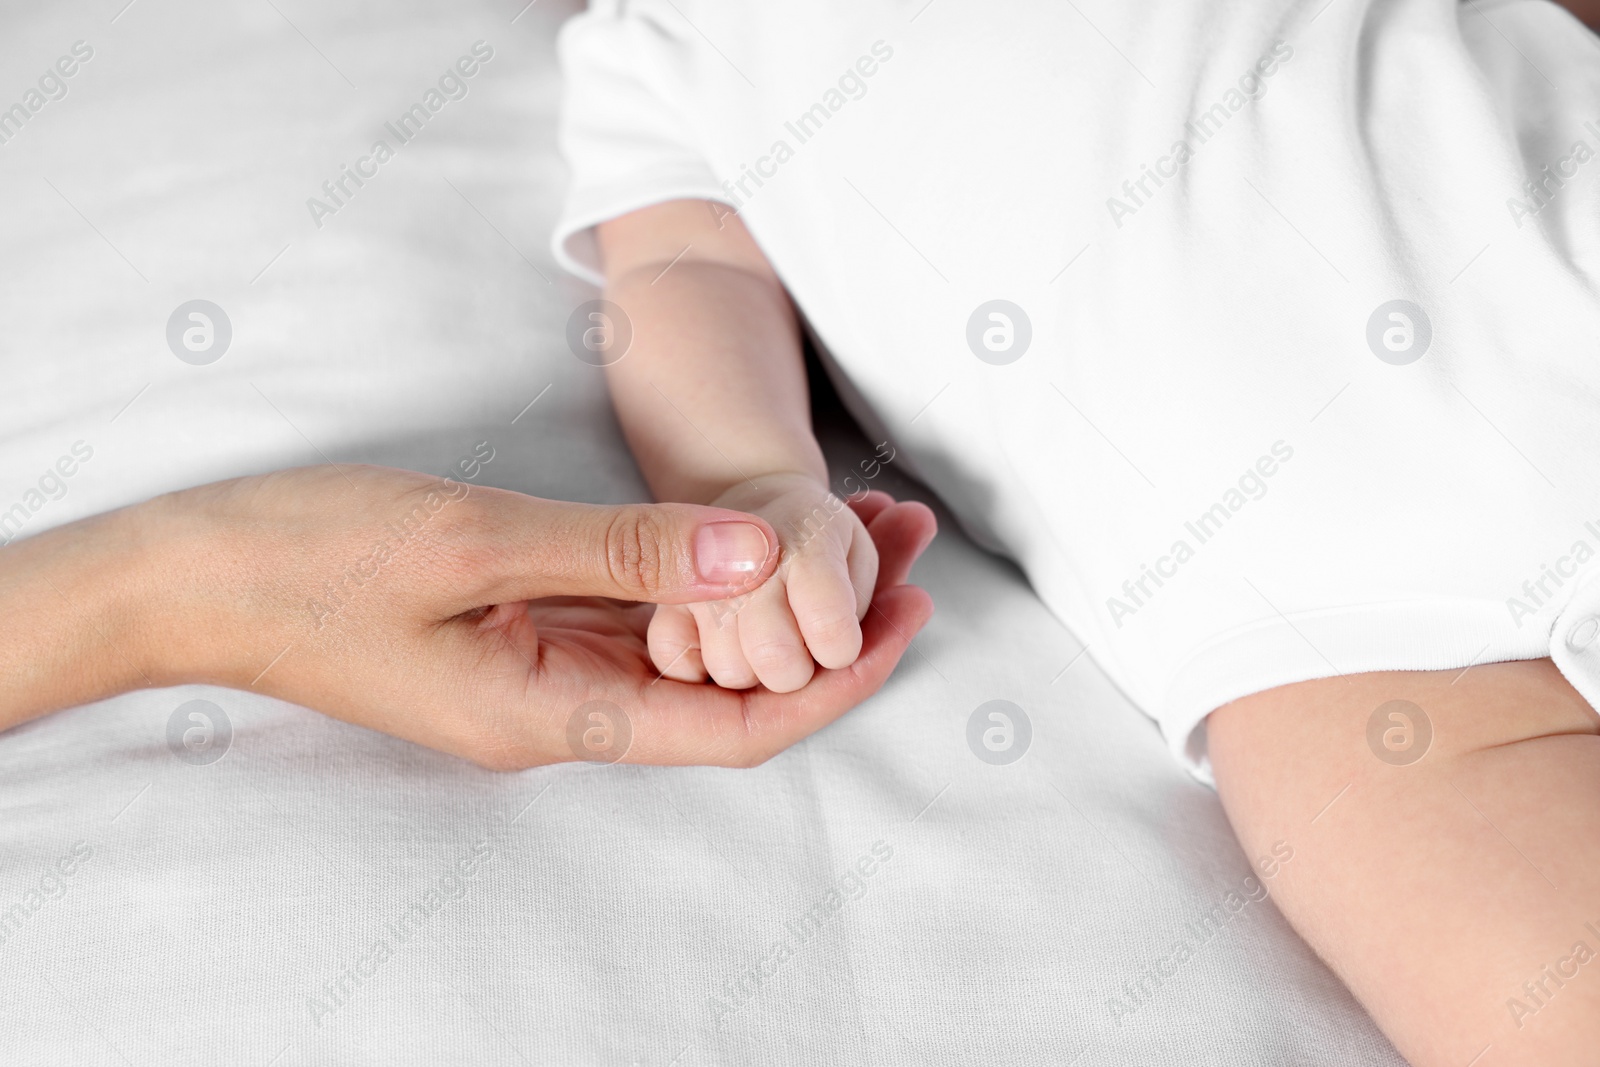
(661, 553)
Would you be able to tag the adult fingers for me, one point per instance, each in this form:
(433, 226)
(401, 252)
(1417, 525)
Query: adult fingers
(902, 532)
(870, 504)
(526, 548)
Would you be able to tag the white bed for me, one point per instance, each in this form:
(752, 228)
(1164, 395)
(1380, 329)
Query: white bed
(611, 910)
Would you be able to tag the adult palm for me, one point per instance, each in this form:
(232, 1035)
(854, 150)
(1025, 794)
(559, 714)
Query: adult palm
(601, 697)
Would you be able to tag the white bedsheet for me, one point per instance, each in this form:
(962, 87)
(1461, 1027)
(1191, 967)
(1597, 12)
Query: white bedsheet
(609, 912)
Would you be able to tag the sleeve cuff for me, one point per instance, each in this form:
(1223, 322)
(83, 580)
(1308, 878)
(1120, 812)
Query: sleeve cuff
(573, 242)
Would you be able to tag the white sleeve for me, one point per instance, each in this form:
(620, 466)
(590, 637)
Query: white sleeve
(625, 144)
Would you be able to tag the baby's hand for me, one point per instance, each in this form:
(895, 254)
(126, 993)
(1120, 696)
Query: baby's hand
(809, 612)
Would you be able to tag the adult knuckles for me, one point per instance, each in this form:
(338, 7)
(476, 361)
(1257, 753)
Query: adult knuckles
(639, 551)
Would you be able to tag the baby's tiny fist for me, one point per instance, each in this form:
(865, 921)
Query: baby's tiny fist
(806, 614)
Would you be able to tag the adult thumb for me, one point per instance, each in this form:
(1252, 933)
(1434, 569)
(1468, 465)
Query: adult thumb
(661, 553)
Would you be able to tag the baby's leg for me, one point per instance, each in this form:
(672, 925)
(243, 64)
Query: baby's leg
(1457, 896)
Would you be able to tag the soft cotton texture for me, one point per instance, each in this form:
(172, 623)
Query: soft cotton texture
(1222, 460)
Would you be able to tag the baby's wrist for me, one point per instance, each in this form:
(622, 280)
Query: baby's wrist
(755, 489)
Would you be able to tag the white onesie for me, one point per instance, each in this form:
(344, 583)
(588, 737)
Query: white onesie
(1263, 334)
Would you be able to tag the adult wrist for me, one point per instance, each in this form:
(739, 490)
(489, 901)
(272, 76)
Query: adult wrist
(156, 567)
(182, 591)
(74, 627)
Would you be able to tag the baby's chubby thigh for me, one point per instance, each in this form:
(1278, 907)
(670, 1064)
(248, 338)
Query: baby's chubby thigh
(1445, 828)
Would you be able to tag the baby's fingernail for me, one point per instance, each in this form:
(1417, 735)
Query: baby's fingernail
(728, 551)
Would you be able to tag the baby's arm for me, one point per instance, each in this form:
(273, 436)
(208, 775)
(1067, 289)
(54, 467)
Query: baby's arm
(712, 396)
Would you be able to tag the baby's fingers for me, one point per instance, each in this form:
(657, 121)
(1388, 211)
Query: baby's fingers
(823, 600)
(771, 640)
(719, 642)
(674, 643)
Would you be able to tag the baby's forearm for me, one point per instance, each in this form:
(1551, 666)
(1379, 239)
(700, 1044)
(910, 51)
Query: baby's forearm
(712, 391)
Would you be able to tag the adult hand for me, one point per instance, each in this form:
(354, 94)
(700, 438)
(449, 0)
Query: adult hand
(483, 622)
